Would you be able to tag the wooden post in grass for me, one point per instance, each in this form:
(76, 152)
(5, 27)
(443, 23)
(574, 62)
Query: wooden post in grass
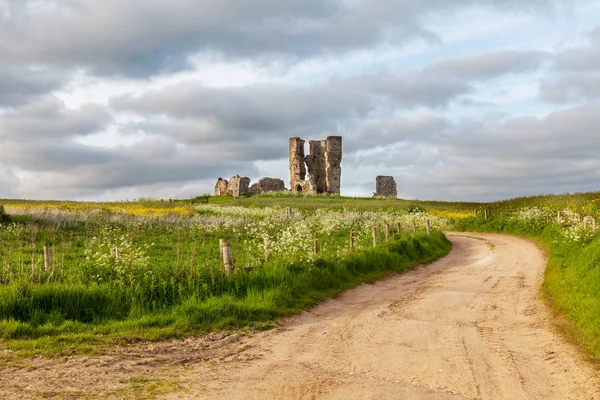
(414, 225)
(387, 232)
(267, 249)
(316, 243)
(221, 241)
(399, 228)
(236, 250)
(351, 239)
(475, 213)
(374, 237)
(289, 212)
(558, 216)
(227, 262)
(485, 214)
(428, 227)
(46, 258)
(547, 218)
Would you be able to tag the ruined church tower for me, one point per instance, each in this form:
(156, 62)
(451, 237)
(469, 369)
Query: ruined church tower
(320, 171)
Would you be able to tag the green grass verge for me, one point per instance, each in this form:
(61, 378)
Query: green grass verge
(572, 277)
(59, 319)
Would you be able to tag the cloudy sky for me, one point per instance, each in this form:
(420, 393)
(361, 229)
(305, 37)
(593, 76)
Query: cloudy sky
(457, 99)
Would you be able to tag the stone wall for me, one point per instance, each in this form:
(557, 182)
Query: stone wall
(318, 172)
(271, 185)
(221, 187)
(333, 161)
(296, 155)
(315, 165)
(238, 186)
(385, 186)
(267, 185)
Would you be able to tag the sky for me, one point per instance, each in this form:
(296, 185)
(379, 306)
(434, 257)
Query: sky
(457, 99)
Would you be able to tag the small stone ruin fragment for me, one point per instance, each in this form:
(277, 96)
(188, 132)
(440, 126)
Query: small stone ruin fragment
(239, 186)
(236, 186)
(385, 186)
(221, 187)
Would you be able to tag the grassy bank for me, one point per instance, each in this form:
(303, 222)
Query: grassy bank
(152, 271)
(572, 278)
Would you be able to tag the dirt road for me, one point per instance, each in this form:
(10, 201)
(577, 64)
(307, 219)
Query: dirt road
(470, 326)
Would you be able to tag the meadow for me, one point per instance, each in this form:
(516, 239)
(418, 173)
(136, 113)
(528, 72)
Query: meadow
(78, 276)
(151, 269)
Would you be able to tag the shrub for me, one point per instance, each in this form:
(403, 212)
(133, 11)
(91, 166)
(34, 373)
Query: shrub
(4, 217)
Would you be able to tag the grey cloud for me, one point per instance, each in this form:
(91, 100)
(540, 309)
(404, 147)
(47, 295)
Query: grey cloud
(117, 37)
(576, 75)
(55, 156)
(243, 112)
(488, 65)
(9, 182)
(572, 87)
(20, 85)
(583, 58)
(50, 119)
(481, 159)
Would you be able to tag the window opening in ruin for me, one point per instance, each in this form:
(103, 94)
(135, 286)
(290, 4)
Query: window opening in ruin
(299, 188)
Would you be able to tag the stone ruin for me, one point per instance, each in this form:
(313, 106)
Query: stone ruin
(267, 185)
(320, 171)
(238, 186)
(385, 186)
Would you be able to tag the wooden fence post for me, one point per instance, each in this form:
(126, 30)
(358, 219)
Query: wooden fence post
(46, 258)
(316, 243)
(267, 250)
(351, 239)
(414, 225)
(289, 212)
(475, 213)
(547, 218)
(221, 241)
(485, 214)
(387, 232)
(374, 237)
(399, 228)
(236, 250)
(226, 251)
(558, 216)
(428, 227)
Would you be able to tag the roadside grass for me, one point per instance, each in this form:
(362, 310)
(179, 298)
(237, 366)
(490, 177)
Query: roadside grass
(172, 284)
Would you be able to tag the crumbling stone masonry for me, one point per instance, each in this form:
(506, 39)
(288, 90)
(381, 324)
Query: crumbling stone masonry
(236, 186)
(267, 185)
(221, 187)
(385, 186)
(320, 171)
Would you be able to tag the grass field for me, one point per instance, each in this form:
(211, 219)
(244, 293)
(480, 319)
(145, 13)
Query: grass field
(150, 269)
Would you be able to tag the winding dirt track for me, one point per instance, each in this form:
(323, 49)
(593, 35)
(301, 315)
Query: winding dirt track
(470, 326)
